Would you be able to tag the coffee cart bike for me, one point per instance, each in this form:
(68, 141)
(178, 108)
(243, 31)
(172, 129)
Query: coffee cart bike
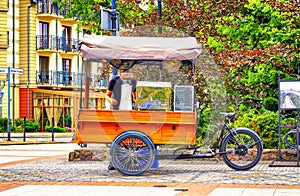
(134, 135)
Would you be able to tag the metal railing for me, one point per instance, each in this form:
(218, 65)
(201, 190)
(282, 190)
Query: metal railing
(48, 7)
(52, 42)
(44, 42)
(52, 77)
(42, 77)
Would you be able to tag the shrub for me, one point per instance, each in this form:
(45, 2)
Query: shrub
(31, 126)
(13, 128)
(19, 129)
(3, 124)
(19, 121)
(56, 129)
(270, 103)
(265, 124)
(204, 114)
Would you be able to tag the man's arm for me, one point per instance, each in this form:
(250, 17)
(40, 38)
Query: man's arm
(109, 92)
(109, 99)
(134, 90)
(134, 96)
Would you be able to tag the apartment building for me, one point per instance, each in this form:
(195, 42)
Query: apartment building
(4, 51)
(40, 46)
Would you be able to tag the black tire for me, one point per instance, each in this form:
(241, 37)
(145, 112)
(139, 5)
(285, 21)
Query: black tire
(290, 139)
(132, 153)
(242, 149)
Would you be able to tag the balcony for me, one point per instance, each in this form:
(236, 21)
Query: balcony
(72, 79)
(66, 45)
(44, 42)
(51, 42)
(47, 10)
(42, 77)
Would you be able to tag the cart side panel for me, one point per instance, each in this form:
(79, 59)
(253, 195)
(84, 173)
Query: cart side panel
(103, 126)
(96, 132)
(178, 134)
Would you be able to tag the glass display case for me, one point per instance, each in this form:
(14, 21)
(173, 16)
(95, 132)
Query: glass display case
(155, 96)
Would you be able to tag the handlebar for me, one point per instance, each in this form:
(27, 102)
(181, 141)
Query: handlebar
(229, 116)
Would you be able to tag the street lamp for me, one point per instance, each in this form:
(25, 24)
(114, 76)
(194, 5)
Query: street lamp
(114, 17)
(114, 27)
(159, 16)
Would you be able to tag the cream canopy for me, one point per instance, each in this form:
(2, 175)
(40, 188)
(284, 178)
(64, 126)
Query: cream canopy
(139, 48)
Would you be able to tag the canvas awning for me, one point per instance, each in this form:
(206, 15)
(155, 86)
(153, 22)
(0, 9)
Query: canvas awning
(139, 48)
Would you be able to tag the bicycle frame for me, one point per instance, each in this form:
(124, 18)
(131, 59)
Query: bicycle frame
(224, 129)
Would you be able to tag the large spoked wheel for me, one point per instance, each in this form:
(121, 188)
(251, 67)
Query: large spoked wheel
(242, 149)
(132, 153)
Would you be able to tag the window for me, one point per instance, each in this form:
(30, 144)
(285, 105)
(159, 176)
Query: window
(43, 72)
(66, 70)
(43, 38)
(43, 7)
(66, 38)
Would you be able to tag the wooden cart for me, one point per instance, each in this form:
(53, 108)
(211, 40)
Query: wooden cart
(135, 134)
(162, 127)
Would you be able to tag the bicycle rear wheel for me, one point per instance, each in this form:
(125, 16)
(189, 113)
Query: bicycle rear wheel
(242, 149)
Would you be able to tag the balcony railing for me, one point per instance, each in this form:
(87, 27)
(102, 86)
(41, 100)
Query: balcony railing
(47, 7)
(56, 43)
(42, 77)
(51, 77)
(44, 42)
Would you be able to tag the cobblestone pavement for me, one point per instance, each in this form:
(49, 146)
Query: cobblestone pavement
(45, 170)
(59, 169)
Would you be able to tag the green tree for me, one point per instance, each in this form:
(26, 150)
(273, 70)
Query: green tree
(255, 43)
(250, 41)
(85, 12)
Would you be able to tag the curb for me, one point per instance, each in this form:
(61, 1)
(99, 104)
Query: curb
(103, 154)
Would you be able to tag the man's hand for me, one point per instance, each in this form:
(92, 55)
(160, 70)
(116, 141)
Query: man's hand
(114, 102)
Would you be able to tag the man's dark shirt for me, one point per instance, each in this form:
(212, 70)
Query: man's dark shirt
(115, 86)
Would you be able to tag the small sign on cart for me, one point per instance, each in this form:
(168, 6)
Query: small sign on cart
(184, 98)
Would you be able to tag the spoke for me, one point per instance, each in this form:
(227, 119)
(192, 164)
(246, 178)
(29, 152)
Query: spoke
(132, 143)
(132, 155)
(122, 155)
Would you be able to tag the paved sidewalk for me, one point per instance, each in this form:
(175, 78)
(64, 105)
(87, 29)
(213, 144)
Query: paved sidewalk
(44, 170)
(141, 189)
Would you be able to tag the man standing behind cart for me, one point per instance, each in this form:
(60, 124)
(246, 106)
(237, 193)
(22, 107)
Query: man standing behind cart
(114, 93)
(124, 81)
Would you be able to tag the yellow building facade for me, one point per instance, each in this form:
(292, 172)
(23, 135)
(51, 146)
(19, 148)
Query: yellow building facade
(4, 51)
(36, 40)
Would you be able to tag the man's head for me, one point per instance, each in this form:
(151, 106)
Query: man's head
(120, 71)
(125, 75)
